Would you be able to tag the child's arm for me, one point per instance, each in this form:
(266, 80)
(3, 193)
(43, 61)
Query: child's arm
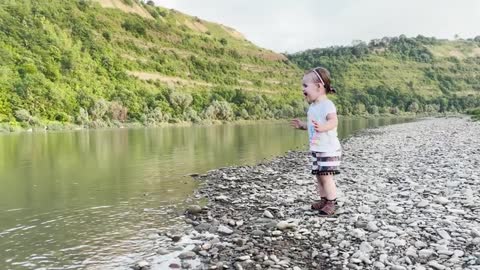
(331, 123)
(298, 124)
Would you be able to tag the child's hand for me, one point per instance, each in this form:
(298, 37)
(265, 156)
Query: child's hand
(317, 126)
(296, 123)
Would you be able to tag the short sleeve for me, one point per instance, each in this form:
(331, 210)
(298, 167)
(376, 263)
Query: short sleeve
(330, 108)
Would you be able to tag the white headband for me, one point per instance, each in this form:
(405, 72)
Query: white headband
(319, 77)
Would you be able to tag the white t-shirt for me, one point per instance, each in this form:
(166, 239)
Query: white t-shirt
(322, 141)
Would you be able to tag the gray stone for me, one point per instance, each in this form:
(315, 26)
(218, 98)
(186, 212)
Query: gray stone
(187, 255)
(366, 247)
(364, 209)
(378, 243)
(268, 214)
(224, 230)
(412, 252)
(238, 266)
(423, 204)
(476, 241)
(194, 209)
(372, 226)
(289, 224)
(441, 200)
(258, 233)
(420, 244)
(141, 265)
(436, 265)
(398, 242)
(419, 267)
(425, 253)
(444, 234)
(358, 233)
(276, 233)
(203, 227)
(395, 209)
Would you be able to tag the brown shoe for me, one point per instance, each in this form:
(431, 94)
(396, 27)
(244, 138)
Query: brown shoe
(328, 209)
(318, 205)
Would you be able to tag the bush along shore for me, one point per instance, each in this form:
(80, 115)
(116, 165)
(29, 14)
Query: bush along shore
(408, 199)
(32, 124)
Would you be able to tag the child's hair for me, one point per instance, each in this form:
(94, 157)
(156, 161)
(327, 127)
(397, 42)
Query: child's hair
(321, 75)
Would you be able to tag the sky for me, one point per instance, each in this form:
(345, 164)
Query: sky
(296, 25)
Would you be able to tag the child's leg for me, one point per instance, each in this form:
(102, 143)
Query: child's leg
(328, 186)
(320, 188)
(330, 190)
(319, 204)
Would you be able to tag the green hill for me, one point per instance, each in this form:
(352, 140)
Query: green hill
(401, 74)
(104, 62)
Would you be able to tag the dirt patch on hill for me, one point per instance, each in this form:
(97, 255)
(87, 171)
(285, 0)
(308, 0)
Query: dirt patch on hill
(135, 8)
(196, 26)
(234, 33)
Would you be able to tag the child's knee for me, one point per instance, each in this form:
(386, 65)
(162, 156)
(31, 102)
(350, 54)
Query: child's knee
(323, 179)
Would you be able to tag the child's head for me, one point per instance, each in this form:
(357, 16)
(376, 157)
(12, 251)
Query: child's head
(316, 82)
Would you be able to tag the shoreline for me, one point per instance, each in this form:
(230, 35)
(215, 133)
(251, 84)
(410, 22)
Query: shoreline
(6, 128)
(399, 207)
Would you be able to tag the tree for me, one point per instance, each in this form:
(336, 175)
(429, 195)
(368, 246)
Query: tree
(180, 101)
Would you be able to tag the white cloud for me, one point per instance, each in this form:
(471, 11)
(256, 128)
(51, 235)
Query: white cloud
(304, 24)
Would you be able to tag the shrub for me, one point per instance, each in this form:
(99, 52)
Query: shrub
(22, 115)
(62, 117)
(192, 115)
(154, 117)
(135, 26)
(99, 109)
(180, 101)
(82, 117)
(219, 110)
(117, 112)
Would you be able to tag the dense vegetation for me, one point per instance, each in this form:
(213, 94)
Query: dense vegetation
(78, 62)
(475, 113)
(402, 74)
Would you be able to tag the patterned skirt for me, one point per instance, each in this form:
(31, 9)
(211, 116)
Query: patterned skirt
(325, 163)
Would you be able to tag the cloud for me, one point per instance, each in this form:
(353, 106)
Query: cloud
(304, 24)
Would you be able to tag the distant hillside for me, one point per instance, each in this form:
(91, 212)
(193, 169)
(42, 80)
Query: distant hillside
(401, 74)
(103, 62)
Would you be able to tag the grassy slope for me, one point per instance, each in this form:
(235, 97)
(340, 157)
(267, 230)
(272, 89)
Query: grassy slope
(60, 56)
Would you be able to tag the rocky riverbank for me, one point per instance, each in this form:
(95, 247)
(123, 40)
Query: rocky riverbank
(409, 199)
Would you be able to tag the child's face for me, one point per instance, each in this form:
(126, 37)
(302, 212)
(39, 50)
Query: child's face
(311, 90)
